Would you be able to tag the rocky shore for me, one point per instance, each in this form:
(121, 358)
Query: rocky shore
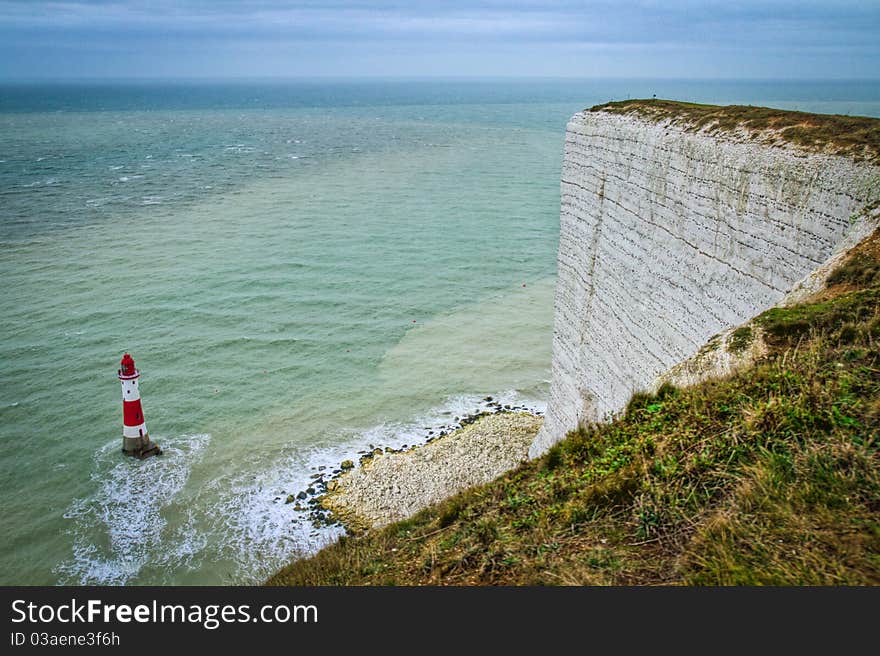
(391, 486)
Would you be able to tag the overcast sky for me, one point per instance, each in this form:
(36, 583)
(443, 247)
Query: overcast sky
(353, 38)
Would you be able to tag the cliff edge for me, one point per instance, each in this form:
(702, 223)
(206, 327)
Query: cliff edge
(679, 222)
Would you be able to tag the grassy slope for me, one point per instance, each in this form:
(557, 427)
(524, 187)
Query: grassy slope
(771, 476)
(854, 136)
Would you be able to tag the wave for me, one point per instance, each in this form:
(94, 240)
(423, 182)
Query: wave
(48, 182)
(118, 528)
(259, 531)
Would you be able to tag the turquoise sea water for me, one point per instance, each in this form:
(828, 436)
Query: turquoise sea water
(299, 269)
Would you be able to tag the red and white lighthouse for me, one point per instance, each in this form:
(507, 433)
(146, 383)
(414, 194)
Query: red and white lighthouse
(135, 439)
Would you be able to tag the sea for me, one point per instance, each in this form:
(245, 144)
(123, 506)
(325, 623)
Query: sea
(303, 270)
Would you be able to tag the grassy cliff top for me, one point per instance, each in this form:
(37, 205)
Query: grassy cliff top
(854, 136)
(769, 476)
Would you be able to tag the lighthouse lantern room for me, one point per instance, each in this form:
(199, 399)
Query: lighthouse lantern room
(135, 439)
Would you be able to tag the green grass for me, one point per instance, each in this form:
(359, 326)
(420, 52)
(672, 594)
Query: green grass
(836, 317)
(855, 136)
(770, 476)
(740, 339)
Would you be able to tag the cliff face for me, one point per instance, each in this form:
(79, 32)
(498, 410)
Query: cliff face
(670, 235)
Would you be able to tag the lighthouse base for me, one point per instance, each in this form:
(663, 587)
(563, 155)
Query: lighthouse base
(140, 447)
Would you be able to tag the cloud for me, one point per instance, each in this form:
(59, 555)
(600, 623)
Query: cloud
(141, 30)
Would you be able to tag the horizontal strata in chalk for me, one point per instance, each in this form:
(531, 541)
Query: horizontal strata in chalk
(670, 236)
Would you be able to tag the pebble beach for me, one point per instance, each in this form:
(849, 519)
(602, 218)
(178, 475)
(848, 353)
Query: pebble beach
(393, 486)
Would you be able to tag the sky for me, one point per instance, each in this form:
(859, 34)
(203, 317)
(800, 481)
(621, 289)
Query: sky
(797, 39)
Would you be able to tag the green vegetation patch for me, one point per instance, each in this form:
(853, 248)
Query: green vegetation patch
(740, 339)
(840, 316)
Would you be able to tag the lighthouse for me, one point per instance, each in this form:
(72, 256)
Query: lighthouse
(135, 439)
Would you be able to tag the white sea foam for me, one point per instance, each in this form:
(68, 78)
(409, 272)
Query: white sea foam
(261, 532)
(48, 182)
(255, 527)
(126, 510)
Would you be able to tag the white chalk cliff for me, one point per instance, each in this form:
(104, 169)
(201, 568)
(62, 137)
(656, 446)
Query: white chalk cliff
(670, 235)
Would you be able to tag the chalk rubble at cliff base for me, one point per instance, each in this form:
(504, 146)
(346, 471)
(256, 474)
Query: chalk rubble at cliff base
(394, 486)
